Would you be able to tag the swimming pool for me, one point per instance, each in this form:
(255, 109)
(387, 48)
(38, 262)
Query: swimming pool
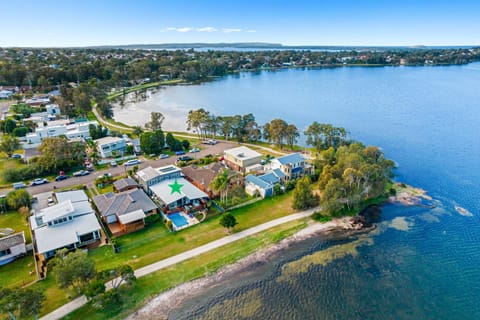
(178, 220)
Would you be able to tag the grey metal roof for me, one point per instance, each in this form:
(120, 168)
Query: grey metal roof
(125, 183)
(123, 202)
(148, 174)
(11, 241)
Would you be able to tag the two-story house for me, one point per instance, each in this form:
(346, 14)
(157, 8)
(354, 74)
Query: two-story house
(149, 176)
(240, 158)
(292, 166)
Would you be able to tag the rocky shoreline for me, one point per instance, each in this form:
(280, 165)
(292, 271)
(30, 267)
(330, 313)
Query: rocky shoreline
(160, 306)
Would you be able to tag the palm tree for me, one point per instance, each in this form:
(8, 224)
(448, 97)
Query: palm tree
(221, 183)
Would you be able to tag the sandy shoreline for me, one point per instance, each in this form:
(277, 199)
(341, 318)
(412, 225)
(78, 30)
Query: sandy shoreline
(160, 306)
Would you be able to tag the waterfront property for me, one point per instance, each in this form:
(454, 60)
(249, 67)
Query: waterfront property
(56, 129)
(149, 176)
(70, 224)
(182, 199)
(263, 184)
(292, 166)
(241, 157)
(12, 247)
(125, 212)
(110, 146)
(201, 177)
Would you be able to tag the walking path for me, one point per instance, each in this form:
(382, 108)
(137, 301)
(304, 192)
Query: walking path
(81, 301)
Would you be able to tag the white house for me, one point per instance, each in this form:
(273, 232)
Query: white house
(53, 110)
(6, 94)
(292, 165)
(150, 176)
(12, 247)
(263, 184)
(108, 146)
(71, 223)
(55, 129)
(187, 194)
(240, 158)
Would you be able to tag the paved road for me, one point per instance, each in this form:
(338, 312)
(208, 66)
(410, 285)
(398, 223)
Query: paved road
(119, 170)
(80, 301)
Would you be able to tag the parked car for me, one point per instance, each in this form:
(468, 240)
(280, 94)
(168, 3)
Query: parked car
(163, 156)
(61, 177)
(132, 162)
(50, 201)
(17, 156)
(18, 185)
(113, 163)
(80, 173)
(38, 181)
(184, 158)
(179, 153)
(194, 150)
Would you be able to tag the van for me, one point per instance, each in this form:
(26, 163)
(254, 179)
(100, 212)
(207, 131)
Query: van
(19, 185)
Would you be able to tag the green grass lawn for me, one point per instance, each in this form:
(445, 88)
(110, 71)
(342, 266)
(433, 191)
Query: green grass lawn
(13, 219)
(142, 87)
(149, 286)
(155, 242)
(18, 273)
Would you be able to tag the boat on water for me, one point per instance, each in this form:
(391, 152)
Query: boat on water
(463, 211)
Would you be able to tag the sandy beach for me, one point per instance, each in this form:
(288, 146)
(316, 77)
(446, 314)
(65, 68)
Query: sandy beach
(160, 306)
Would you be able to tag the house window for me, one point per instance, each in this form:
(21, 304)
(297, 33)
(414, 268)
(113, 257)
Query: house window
(5, 252)
(86, 237)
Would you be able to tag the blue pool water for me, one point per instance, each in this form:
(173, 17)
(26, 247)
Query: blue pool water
(177, 219)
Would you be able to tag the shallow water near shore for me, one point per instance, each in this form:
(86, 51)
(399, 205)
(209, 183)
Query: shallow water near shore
(420, 263)
(392, 272)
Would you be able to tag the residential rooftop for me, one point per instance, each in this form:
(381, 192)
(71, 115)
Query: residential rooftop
(243, 153)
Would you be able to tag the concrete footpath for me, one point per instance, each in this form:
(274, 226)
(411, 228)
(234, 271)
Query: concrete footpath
(81, 301)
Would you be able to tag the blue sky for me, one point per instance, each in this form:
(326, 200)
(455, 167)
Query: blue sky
(322, 22)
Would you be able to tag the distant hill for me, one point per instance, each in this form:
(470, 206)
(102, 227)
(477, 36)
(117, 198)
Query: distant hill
(266, 45)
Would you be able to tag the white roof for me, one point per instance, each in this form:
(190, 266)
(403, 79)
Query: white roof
(243, 153)
(107, 140)
(73, 196)
(131, 216)
(54, 212)
(163, 191)
(51, 238)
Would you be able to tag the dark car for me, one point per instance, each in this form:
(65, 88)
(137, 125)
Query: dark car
(184, 158)
(61, 177)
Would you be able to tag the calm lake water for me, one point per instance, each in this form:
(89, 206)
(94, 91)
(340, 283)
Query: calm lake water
(420, 263)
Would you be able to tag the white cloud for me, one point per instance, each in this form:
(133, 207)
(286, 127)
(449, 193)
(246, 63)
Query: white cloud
(230, 30)
(184, 29)
(251, 30)
(207, 29)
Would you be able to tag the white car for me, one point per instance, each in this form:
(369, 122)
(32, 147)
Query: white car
(163, 156)
(38, 181)
(194, 150)
(132, 162)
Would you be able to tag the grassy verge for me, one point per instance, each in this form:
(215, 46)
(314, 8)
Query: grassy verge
(151, 285)
(155, 242)
(125, 91)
